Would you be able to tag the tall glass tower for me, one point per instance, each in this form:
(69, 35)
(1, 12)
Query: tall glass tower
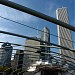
(5, 54)
(64, 34)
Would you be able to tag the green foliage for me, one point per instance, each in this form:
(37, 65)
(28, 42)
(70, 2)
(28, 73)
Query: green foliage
(5, 69)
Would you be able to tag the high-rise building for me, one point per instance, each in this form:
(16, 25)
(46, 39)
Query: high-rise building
(21, 62)
(45, 36)
(5, 54)
(18, 58)
(18, 61)
(65, 37)
(30, 51)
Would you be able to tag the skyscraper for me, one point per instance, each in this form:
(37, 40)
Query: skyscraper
(18, 61)
(64, 34)
(21, 62)
(30, 51)
(18, 58)
(45, 36)
(5, 54)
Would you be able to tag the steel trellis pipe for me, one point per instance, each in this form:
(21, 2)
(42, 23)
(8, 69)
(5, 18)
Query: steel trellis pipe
(22, 36)
(42, 53)
(34, 28)
(36, 13)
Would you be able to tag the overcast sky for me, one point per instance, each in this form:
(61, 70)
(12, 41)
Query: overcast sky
(47, 7)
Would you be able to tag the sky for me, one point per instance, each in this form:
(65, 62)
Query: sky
(47, 7)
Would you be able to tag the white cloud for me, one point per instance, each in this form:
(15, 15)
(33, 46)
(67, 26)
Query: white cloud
(15, 14)
(20, 16)
(3, 28)
(11, 0)
(6, 37)
(11, 39)
(51, 9)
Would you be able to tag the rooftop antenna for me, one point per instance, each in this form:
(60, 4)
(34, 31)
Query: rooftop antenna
(37, 31)
(62, 4)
